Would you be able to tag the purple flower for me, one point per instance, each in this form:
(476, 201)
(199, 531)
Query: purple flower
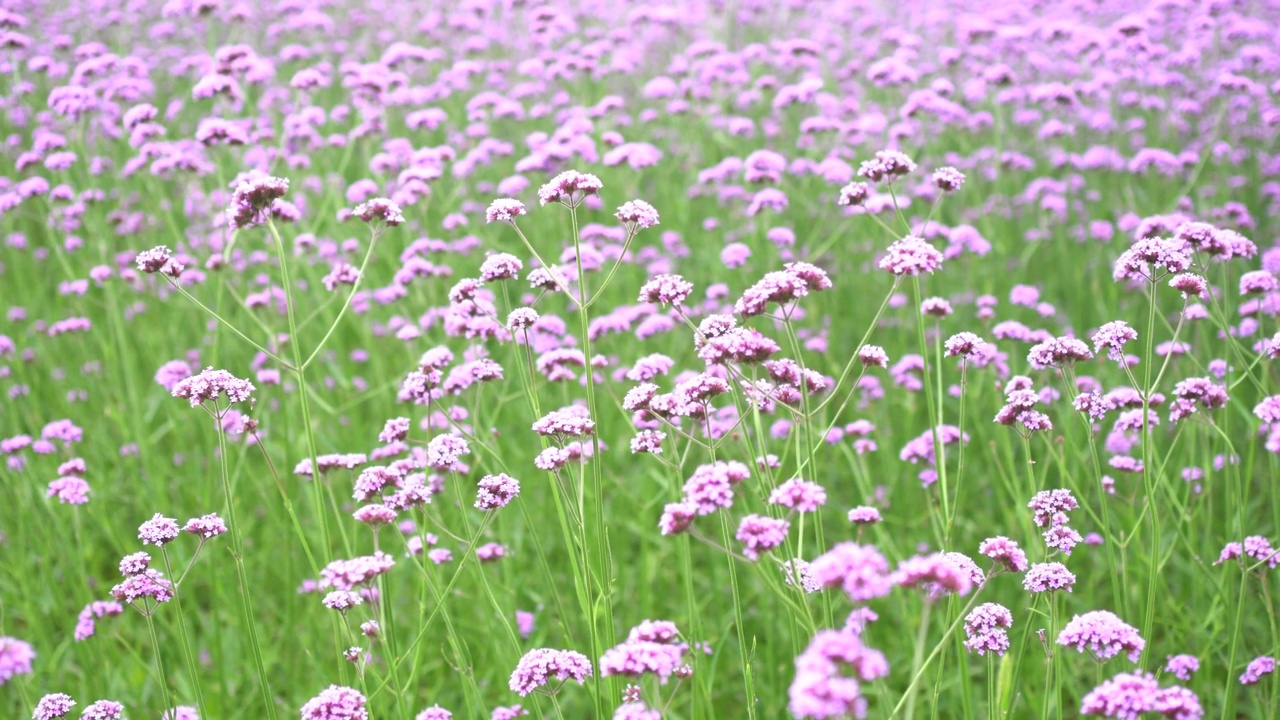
(637, 215)
(948, 179)
(1048, 577)
(1058, 352)
(540, 665)
(799, 495)
(566, 422)
(886, 165)
(158, 260)
(1182, 666)
(158, 531)
(253, 196)
(336, 703)
(666, 290)
(829, 674)
(1104, 634)
(639, 656)
(69, 490)
(495, 491)
(435, 712)
(760, 533)
(209, 384)
(1259, 666)
(1004, 551)
(677, 517)
(15, 658)
(570, 188)
(1127, 696)
(1112, 337)
(1051, 506)
(205, 526)
(937, 572)
(134, 563)
(986, 628)
(148, 584)
(103, 710)
(911, 256)
(379, 210)
(500, 266)
(52, 706)
(504, 210)
(864, 515)
(873, 356)
(860, 570)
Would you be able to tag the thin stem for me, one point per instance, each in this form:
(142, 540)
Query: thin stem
(165, 692)
(237, 553)
(374, 234)
(187, 652)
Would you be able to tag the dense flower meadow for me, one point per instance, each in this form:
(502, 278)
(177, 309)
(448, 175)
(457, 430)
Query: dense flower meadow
(602, 359)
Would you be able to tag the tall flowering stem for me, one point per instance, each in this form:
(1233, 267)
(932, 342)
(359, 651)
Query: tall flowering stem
(935, 414)
(375, 232)
(1149, 478)
(300, 370)
(187, 652)
(237, 553)
(597, 543)
(166, 694)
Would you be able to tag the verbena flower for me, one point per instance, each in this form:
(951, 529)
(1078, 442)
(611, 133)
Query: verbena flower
(336, 702)
(541, 665)
(1103, 634)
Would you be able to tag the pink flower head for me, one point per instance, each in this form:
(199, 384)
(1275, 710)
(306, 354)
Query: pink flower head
(158, 259)
(854, 194)
(1103, 634)
(53, 706)
(864, 515)
(15, 658)
(158, 531)
(379, 210)
(911, 256)
(1051, 506)
(829, 674)
(666, 290)
(987, 629)
(1058, 352)
(948, 179)
(205, 526)
(569, 188)
(69, 490)
(799, 495)
(541, 665)
(495, 491)
(873, 356)
(886, 165)
(1257, 668)
(504, 210)
(860, 570)
(253, 196)
(759, 533)
(336, 702)
(1127, 696)
(934, 572)
(1112, 337)
(1048, 577)
(637, 215)
(1004, 551)
(1189, 284)
(209, 384)
(500, 266)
